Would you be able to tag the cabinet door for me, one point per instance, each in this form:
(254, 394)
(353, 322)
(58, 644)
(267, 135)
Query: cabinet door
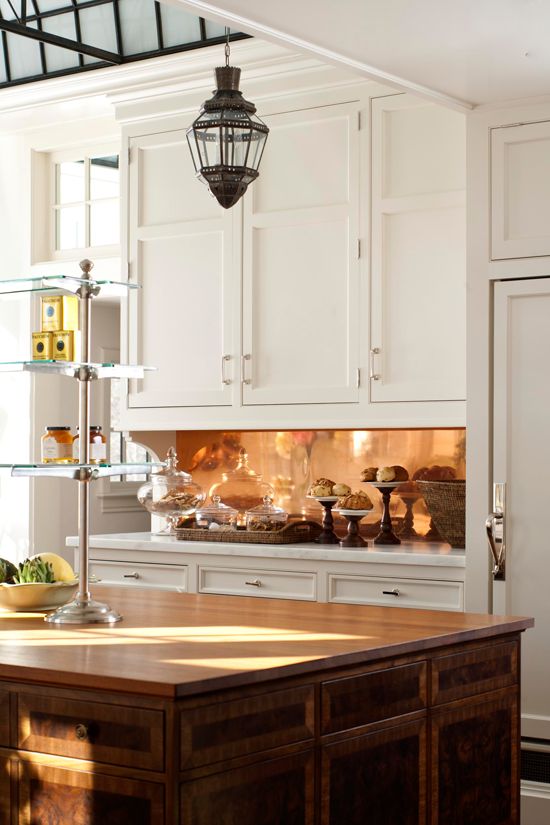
(300, 262)
(475, 775)
(379, 778)
(520, 175)
(180, 253)
(55, 796)
(418, 311)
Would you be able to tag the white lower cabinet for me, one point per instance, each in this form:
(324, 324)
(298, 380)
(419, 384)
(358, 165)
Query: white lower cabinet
(269, 584)
(396, 592)
(137, 574)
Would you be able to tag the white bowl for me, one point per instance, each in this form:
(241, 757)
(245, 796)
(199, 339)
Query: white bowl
(36, 595)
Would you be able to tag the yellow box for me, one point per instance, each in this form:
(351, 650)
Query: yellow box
(59, 313)
(63, 345)
(41, 346)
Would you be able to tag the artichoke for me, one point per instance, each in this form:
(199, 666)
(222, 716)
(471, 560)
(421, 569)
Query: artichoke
(34, 570)
(7, 570)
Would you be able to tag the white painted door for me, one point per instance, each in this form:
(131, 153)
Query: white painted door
(181, 253)
(520, 179)
(418, 256)
(521, 459)
(300, 262)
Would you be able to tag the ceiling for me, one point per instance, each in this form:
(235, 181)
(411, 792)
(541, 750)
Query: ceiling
(463, 52)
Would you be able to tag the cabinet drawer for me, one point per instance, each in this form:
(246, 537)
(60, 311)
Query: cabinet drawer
(115, 734)
(392, 592)
(370, 697)
(161, 576)
(269, 584)
(228, 729)
(475, 671)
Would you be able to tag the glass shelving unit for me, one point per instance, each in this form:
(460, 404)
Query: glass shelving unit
(83, 609)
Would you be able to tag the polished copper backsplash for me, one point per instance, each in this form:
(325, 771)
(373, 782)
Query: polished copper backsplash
(291, 460)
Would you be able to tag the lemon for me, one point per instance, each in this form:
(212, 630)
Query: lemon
(62, 570)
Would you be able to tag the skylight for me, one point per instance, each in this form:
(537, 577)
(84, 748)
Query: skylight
(49, 38)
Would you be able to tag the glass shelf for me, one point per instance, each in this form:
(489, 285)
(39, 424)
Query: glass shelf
(62, 284)
(72, 368)
(76, 471)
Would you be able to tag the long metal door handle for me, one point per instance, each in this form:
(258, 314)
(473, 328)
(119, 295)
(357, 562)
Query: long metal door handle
(493, 524)
(374, 376)
(244, 359)
(225, 359)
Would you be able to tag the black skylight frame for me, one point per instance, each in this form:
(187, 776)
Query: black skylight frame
(29, 12)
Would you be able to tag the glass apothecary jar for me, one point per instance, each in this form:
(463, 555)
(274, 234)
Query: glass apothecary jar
(216, 516)
(266, 517)
(241, 488)
(171, 493)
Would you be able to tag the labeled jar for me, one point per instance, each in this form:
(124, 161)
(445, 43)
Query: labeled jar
(57, 446)
(98, 446)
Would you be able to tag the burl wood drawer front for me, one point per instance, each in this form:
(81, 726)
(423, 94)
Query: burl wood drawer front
(267, 584)
(476, 671)
(394, 592)
(55, 796)
(278, 792)
(376, 779)
(370, 697)
(475, 777)
(227, 729)
(89, 730)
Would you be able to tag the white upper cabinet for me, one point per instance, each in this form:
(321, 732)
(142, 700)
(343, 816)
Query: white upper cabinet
(418, 277)
(520, 174)
(181, 254)
(300, 262)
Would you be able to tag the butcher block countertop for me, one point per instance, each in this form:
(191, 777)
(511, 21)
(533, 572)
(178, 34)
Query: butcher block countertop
(175, 644)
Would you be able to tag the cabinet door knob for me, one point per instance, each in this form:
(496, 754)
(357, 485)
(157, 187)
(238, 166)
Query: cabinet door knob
(394, 592)
(225, 359)
(82, 732)
(244, 359)
(254, 583)
(130, 575)
(374, 376)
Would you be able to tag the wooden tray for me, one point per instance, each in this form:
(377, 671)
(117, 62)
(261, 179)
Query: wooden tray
(292, 533)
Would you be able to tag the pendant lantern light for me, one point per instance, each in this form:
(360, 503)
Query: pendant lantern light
(227, 139)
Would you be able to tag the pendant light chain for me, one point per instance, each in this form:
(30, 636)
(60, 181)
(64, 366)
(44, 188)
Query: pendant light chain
(227, 48)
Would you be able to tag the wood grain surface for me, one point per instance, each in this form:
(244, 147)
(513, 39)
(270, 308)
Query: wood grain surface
(179, 644)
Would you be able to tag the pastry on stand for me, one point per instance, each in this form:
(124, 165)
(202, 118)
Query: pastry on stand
(326, 492)
(388, 479)
(354, 507)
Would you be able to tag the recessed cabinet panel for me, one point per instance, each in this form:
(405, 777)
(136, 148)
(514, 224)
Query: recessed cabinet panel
(520, 191)
(418, 286)
(164, 159)
(303, 162)
(300, 263)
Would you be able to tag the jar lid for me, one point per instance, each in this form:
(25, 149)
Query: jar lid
(170, 469)
(217, 508)
(93, 427)
(266, 508)
(56, 429)
(242, 471)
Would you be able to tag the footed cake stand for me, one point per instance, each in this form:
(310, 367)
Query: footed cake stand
(328, 536)
(353, 539)
(386, 534)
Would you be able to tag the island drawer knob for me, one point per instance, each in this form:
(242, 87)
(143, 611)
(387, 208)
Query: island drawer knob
(254, 582)
(130, 575)
(394, 592)
(82, 732)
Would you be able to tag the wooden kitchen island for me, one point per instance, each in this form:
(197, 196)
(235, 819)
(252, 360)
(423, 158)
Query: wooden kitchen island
(215, 710)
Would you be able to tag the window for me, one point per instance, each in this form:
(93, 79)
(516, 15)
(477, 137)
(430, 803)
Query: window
(85, 204)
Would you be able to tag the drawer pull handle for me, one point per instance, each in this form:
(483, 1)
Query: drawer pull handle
(82, 732)
(394, 592)
(254, 583)
(130, 576)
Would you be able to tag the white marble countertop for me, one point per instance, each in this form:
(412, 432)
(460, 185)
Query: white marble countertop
(421, 553)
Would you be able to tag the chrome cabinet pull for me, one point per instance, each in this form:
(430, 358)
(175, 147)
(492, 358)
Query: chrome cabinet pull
(225, 359)
(254, 583)
(244, 359)
(394, 592)
(131, 576)
(374, 376)
(495, 526)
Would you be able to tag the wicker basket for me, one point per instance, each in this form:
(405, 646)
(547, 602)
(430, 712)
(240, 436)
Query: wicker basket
(292, 533)
(446, 503)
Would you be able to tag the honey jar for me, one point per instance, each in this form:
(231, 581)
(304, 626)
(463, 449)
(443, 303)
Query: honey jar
(59, 312)
(57, 446)
(63, 345)
(98, 446)
(41, 346)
